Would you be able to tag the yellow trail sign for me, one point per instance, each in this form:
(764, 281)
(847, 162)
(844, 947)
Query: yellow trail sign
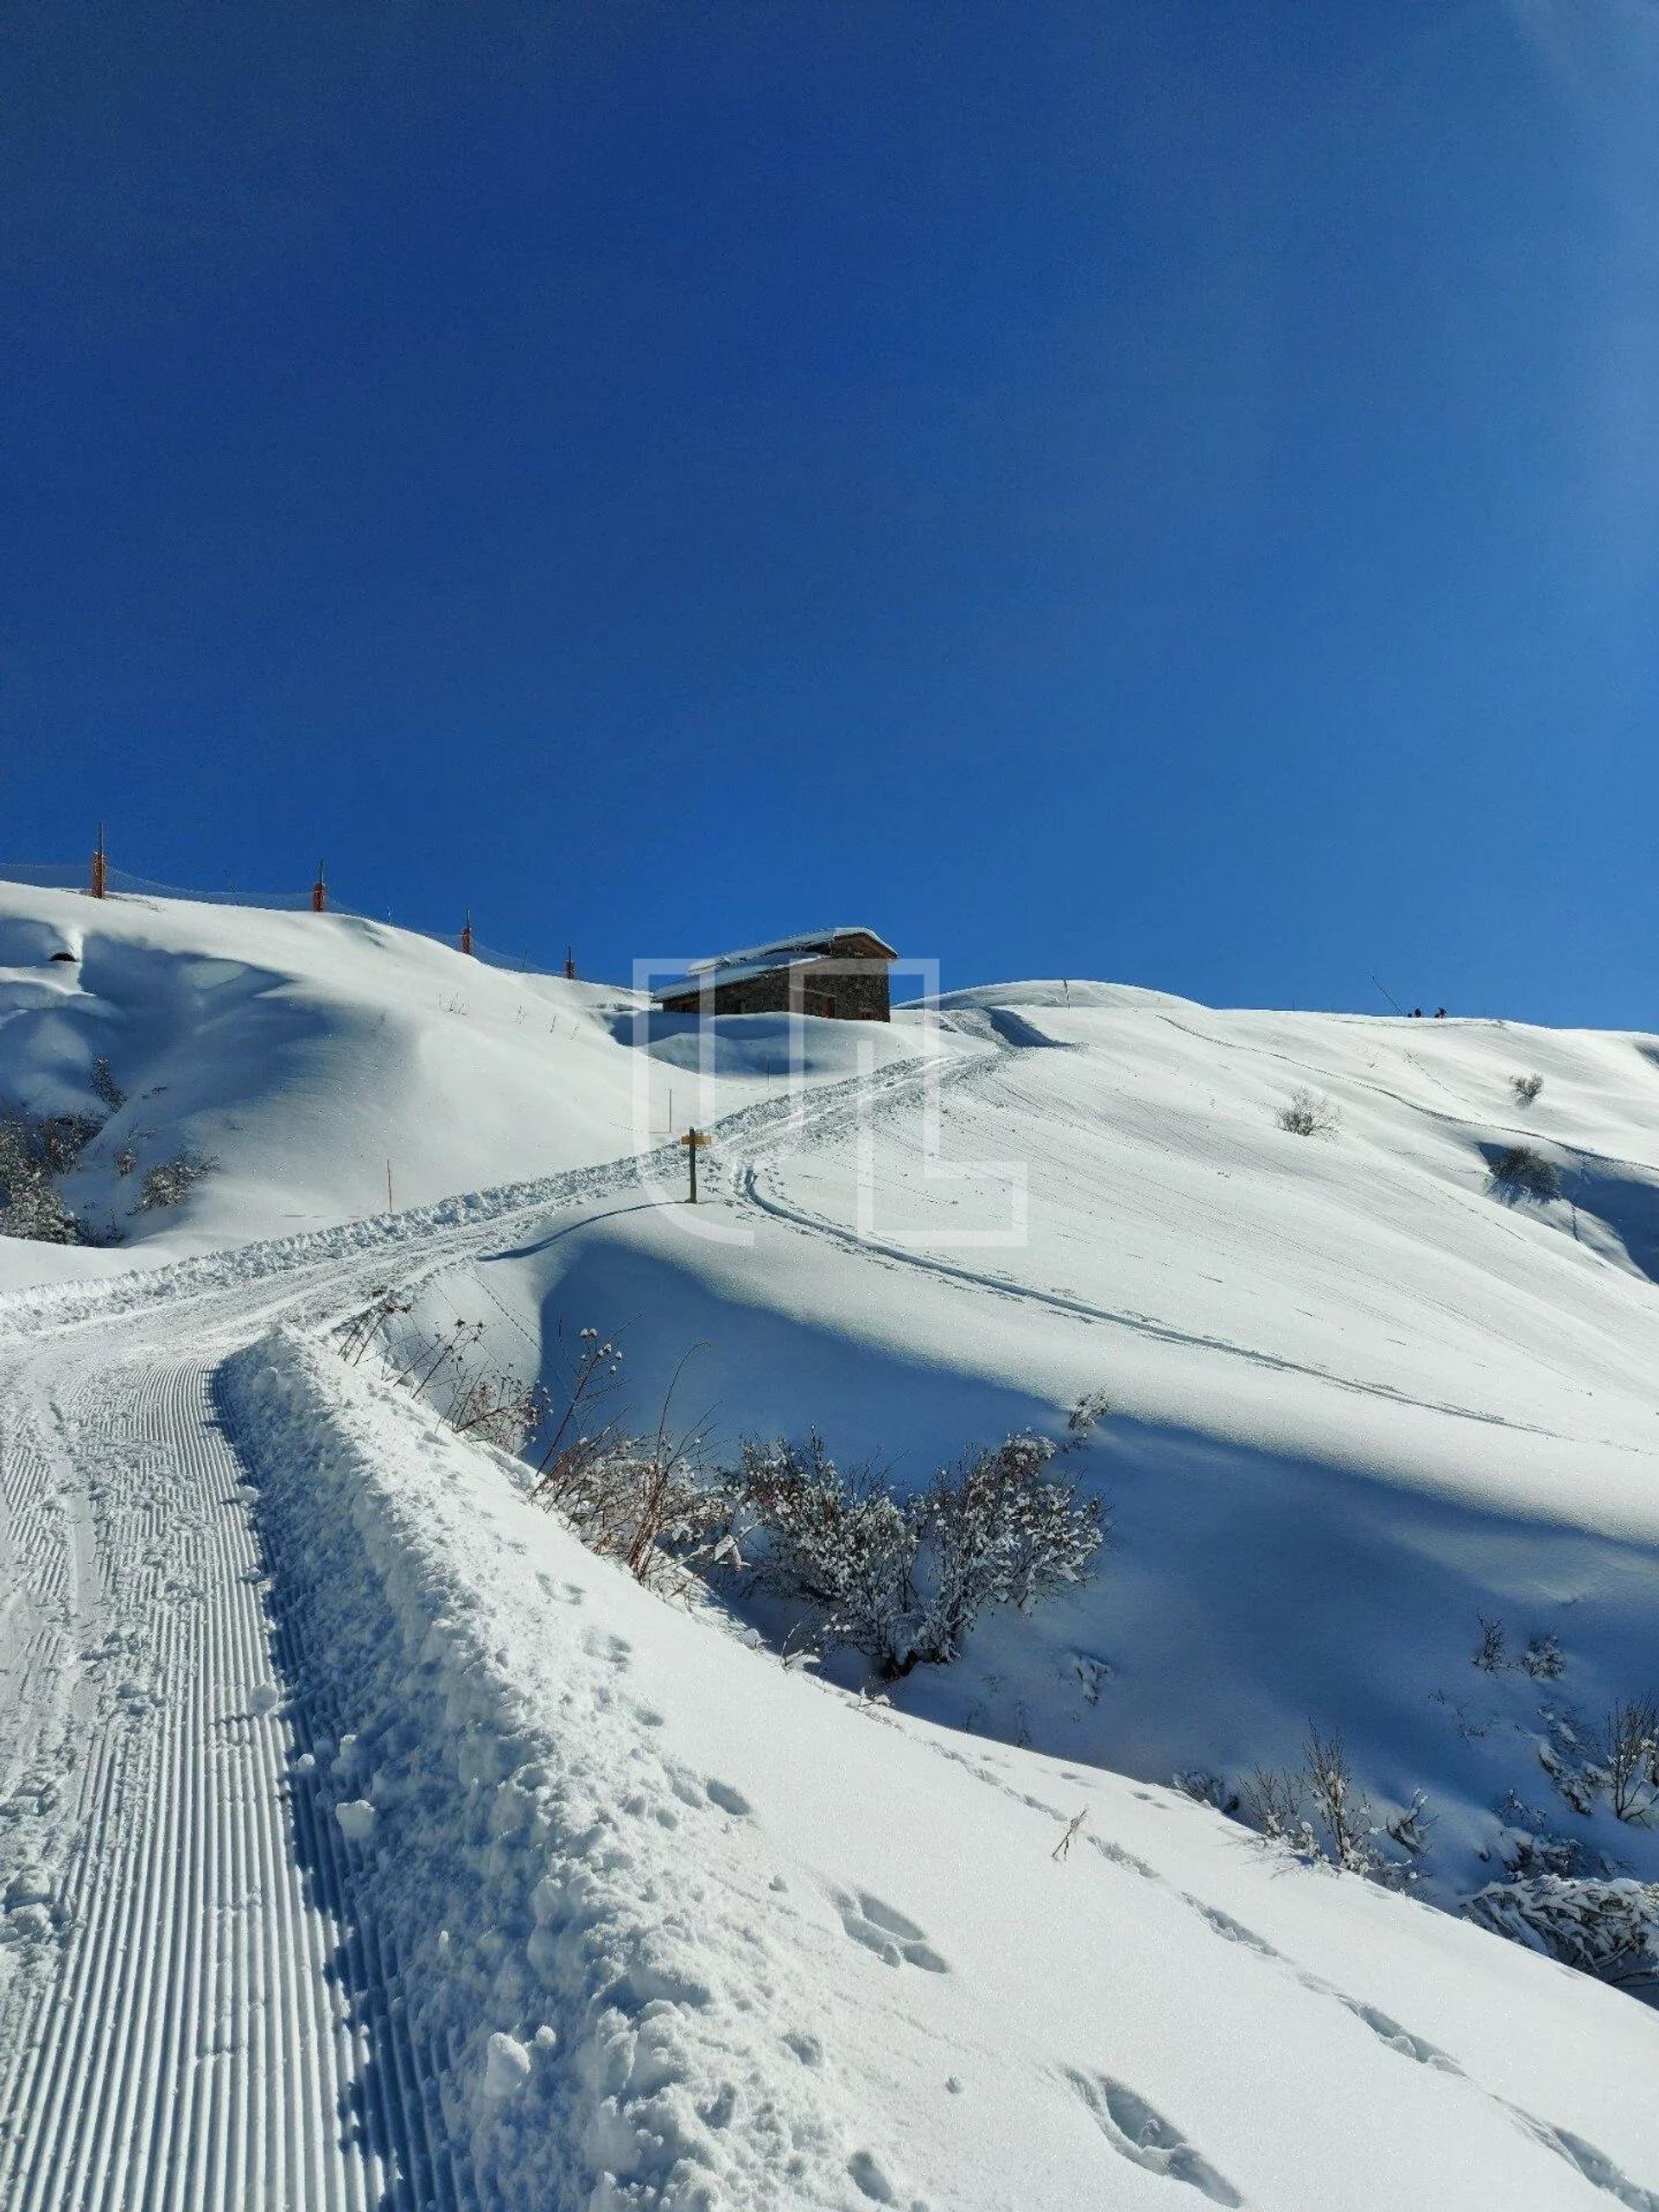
(695, 1142)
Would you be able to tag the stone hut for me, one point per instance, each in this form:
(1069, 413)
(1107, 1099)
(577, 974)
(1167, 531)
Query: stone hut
(840, 975)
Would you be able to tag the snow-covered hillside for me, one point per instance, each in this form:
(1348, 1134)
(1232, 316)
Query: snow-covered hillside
(365, 1840)
(307, 1054)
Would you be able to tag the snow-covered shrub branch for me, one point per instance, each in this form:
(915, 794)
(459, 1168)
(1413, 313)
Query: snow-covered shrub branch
(474, 1395)
(1617, 1758)
(904, 1580)
(168, 1180)
(1630, 1749)
(1309, 1114)
(1607, 1929)
(1524, 1173)
(836, 1541)
(1320, 1811)
(36, 1149)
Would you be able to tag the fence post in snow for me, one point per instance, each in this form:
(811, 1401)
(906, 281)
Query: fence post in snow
(100, 867)
(320, 892)
(467, 932)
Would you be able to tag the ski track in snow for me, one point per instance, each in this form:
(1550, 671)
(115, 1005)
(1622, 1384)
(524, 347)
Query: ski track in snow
(182, 2039)
(196, 2010)
(752, 1184)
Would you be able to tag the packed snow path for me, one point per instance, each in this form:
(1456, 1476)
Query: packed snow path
(186, 2027)
(195, 2011)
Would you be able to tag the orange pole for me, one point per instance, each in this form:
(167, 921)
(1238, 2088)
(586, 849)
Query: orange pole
(320, 892)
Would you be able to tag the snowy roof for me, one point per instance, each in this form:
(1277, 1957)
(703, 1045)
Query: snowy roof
(764, 960)
(710, 974)
(776, 954)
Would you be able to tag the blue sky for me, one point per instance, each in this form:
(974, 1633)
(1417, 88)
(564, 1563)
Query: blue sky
(1161, 492)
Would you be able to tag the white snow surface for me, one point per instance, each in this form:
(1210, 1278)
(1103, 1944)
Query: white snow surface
(365, 1841)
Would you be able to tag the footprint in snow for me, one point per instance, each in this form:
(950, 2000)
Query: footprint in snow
(1597, 2168)
(894, 1940)
(1120, 1857)
(1234, 1931)
(1398, 2038)
(729, 1800)
(599, 1644)
(567, 1594)
(1140, 2133)
(873, 2182)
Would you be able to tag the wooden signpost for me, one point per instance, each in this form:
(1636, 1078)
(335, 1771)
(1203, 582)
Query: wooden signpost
(695, 1141)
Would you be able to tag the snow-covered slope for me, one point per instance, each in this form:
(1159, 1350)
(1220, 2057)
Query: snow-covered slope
(362, 1840)
(1360, 1400)
(308, 1054)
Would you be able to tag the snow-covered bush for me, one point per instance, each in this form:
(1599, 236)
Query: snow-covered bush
(1206, 1788)
(1308, 1115)
(104, 1085)
(1319, 1812)
(1607, 1929)
(647, 1500)
(1526, 1088)
(905, 1580)
(1541, 1657)
(1629, 1757)
(999, 1528)
(166, 1183)
(838, 1542)
(1617, 1759)
(1570, 1755)
(35, 1150)
(1530, 1846)
(1522, 1173)
(33, 1208)
(644, 1500)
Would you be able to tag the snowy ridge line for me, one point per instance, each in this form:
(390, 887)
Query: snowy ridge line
(577, 1968)
(65, 1305)
(749, 1188)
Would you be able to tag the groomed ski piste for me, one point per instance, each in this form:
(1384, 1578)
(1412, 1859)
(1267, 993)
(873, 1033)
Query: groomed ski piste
(367, 1842)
